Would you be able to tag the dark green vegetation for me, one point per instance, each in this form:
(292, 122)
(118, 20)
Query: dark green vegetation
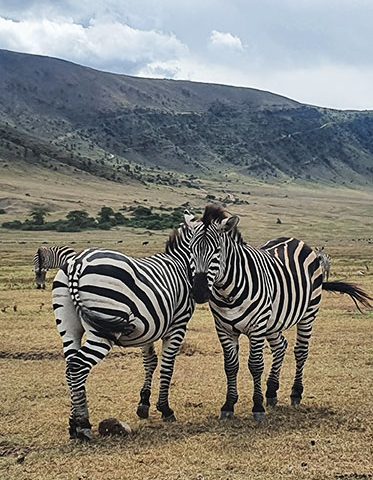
(123, 128)
(78, 220)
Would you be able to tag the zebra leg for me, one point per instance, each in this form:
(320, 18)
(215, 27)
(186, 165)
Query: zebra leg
(79, 360)
(78, 367)
(69, 327)
(230, 346)
(278, 344)
(256, 367)
(170, 349)
(150, 361)
(304, 332)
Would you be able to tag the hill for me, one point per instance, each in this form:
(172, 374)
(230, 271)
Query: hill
(55, 113)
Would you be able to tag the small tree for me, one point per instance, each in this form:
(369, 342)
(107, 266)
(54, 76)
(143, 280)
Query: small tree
(38, 215)
(80, 219)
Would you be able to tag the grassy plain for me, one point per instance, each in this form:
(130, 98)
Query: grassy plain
(329, 437)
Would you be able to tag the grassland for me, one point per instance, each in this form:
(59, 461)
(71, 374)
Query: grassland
(329, 437)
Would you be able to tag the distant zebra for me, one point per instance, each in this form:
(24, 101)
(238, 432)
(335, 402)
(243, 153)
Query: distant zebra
(47, 258)
(325, 262)
(116, 299)
(258, 293)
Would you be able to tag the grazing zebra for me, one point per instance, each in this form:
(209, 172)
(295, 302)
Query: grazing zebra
(116, 299)
(49, 257)
(325, 262)
(259, 293)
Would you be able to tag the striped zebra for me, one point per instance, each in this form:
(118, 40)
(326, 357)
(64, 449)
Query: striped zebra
(130, 302)
(47, 258)
(258, 293)
(325, 262)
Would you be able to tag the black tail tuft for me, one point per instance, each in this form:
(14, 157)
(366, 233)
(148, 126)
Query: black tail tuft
(356, 293)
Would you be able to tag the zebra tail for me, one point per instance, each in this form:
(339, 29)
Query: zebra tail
(357, 294)
(105, 325)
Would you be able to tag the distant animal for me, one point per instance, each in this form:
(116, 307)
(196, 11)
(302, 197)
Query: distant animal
(258, 292)
(145, 243)
(325, 262)
(116, 299)
(4, 309)
(279, 222)
(47, 258)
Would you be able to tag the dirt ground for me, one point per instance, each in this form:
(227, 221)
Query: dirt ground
(329, 437)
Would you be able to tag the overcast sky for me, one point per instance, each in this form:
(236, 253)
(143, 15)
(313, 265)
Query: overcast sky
(314, 51)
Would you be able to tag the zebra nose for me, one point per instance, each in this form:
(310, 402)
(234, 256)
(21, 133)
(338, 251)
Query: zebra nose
(200, 288)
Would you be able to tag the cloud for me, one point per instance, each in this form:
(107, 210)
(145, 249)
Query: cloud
(101, 44)
(220, 39)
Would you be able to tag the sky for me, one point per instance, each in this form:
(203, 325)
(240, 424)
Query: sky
(318, 52)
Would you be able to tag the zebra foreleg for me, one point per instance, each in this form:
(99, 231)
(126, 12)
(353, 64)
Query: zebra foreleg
(170, 349)
(278, 344)
(304, 332)
(150, 361)
(256, 367)
(78, 367)
(230, 347)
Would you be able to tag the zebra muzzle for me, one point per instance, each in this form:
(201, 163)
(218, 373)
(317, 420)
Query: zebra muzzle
(200, 288)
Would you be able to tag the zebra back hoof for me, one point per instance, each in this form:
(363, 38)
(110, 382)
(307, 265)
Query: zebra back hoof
(226, 415)
(295, 402)
(259, 417)
(84, 434)
(170, 418)
(271, 402)
(143, 411)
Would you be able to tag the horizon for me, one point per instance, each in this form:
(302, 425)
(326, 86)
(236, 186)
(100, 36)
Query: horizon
(296, 49)
(182, 80)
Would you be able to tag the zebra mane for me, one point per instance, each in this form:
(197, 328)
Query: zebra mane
(174, 239)
(214, 212)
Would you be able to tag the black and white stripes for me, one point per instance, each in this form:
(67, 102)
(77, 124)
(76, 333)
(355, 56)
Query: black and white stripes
(258, 293)
(116, 299)
(47, 258)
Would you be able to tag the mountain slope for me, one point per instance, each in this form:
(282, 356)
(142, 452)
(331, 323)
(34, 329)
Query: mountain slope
(53, 111)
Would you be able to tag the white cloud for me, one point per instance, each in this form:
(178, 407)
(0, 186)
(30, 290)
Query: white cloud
(221, 39)
(99, 44)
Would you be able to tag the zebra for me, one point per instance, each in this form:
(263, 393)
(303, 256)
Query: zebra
(46, 258)
(132, 302)
(325, 262)
(258, 292)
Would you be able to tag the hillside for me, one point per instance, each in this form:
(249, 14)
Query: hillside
(55, 113)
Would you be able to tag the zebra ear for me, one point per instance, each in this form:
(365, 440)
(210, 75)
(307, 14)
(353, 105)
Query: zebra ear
(229, 224)
(189, 219)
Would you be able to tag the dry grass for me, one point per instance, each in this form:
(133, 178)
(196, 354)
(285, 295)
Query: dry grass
(329, 437)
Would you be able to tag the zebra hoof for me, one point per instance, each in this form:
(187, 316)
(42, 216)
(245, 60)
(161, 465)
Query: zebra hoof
(271, 402)
(84, 434)
(226, 415)
(143, 411)
(295, 402)
(259, 417)
(170, 418)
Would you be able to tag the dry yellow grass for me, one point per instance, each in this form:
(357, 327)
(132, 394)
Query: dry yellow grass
(329, 437)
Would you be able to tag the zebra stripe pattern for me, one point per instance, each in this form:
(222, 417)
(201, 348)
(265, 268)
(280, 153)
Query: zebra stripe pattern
(47, 258)
(258, 293)
(116, 299)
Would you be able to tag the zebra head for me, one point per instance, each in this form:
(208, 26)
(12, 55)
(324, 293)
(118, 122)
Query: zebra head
(40, 276)
(206, 247)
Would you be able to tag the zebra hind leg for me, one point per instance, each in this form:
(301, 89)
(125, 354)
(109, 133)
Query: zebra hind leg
(78, 367)
(256, 367)
(278, 344)
(304, 332)
(150, 361)
(170, 349)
